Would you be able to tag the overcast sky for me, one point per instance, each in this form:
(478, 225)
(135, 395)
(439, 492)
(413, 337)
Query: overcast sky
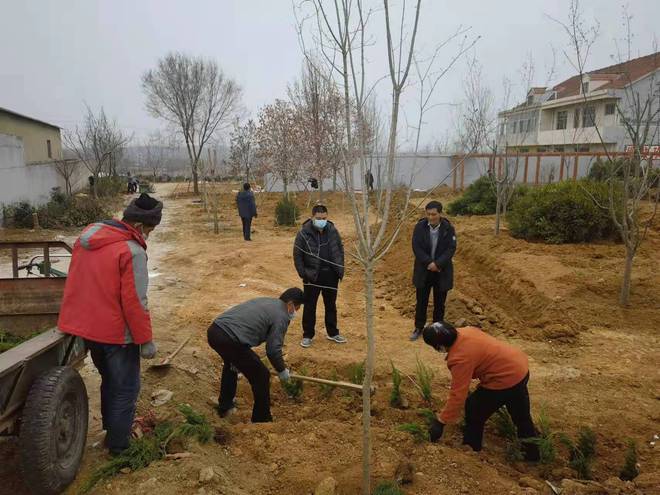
(55, 55)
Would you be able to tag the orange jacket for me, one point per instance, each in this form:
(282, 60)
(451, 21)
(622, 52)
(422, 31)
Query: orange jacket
(475, 354)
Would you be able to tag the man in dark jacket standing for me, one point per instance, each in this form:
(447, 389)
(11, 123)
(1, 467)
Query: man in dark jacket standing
(105, 303)
(434, 245)
(236, 331)
(318, 255)
(247, 208)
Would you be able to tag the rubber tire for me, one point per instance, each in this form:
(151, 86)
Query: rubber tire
(56, 405)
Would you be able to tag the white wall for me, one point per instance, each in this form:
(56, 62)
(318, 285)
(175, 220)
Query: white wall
(32, 183)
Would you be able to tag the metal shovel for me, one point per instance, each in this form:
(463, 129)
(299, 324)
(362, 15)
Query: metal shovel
(165, 363)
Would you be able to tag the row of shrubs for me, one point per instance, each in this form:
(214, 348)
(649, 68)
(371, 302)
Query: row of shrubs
(568, 211)
(61, 211)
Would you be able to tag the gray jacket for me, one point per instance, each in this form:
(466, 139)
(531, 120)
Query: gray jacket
(247, 207)
(256, 321)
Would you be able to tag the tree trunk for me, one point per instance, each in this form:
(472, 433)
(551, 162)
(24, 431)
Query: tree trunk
(216, 223)
(286, 187)
(627, 274)
(195, 178)
(95, 189)
(498, 207)
(368, 375)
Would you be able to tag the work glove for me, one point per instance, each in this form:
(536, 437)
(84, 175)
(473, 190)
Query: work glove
(435, 430)
(148, 350)
(284, 375)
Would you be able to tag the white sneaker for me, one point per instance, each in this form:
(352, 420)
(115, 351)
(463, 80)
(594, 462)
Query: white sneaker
(339, 339)
(305, 342)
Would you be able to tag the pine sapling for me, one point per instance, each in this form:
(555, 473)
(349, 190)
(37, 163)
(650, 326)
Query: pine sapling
(388, 488)
(327, 389)
(356, 373)
(419, 433)
(506, 429)
(582, 452)
(428, 415)
(395, 395)
(424, 380)
(545, 439)
(630, 470)
(293, 388)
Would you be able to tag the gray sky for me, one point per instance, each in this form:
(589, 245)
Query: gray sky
(55, 55)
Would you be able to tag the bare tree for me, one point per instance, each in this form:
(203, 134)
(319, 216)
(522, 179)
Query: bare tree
(243, 148)
(278, 135)
(194, 95)
(97, 143)
(631, 183)
(318, 105)
(66, 168)
(156, 152)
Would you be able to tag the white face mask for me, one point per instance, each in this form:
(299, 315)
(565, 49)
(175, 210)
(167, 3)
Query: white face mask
(292, 315)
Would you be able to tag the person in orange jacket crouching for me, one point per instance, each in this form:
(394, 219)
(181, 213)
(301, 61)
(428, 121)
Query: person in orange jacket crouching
(503, 373)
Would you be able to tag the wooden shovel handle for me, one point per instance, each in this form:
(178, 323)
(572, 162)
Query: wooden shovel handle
(176, 351)
(347, 385)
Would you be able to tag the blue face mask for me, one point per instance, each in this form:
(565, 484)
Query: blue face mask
(319, 224)
(292, 315)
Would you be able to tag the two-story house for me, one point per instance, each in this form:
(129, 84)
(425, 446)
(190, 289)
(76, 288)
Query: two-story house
(583, 114)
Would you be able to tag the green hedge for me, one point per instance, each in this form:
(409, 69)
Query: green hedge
(286, 212)
(562, 212)
(478, 199)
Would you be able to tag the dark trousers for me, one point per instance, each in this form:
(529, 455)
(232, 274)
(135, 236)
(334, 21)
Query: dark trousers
(327, 278)
(119, 366)
(482, 404)
(439, 299)
(247, 226)
(244, 359)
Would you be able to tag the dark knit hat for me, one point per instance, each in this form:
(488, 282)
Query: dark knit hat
(145, 210)
(440, 334)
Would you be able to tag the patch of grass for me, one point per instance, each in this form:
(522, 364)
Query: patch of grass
(424, 380)
(582, 452)
(419, 433)
(356, 372)
(395, 394)
(326, 389)
(630, 471)
(387, 488)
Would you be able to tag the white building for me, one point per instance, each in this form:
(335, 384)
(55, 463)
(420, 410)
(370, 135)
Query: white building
(582, 115)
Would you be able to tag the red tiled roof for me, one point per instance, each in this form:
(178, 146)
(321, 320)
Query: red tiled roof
(619, 75)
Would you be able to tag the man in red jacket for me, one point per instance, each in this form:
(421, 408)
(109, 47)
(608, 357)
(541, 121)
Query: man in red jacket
(105, 303)
(503, 373)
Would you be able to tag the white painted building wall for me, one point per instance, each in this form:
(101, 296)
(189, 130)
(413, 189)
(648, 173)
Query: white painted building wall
(32, 183)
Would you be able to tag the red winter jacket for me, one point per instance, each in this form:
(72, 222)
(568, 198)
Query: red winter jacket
(105, 297)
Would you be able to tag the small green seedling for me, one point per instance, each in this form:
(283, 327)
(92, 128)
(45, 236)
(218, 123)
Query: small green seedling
(356, 372)
(327, 389)
(419, 433)
(388, 488)
(424, 380)
(506, 429)
(395, 395)
(582, 452)
(630, 470)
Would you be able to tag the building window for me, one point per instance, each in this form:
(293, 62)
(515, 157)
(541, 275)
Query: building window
(50, 151)
(562, 119)
(576, 118)
(610, 108)
(589, 117)
(585, 87)
(501, 129)
(559, 149)
(582, 148)
(515, 125)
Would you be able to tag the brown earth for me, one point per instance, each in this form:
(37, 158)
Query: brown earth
(592, 363)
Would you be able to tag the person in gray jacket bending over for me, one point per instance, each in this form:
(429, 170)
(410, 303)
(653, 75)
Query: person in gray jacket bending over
(233, 334)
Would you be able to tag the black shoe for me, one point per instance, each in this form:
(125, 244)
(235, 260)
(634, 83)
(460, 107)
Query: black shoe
(417, 333)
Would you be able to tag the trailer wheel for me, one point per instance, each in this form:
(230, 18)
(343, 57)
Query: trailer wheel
(53, 430)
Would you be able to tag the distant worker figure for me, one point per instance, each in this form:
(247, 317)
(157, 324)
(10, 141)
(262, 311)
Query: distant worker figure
(236, 331)
(503, 373)
(318, 254)
(434, 245)
(369, 179)
(105, 303)
(90, 179)
(247, 209)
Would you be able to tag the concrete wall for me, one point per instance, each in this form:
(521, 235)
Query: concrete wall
(35, 137)
(33, 183)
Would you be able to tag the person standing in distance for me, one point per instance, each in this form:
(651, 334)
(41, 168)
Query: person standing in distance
(247, 209)
(318, 255)
(434, 245)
